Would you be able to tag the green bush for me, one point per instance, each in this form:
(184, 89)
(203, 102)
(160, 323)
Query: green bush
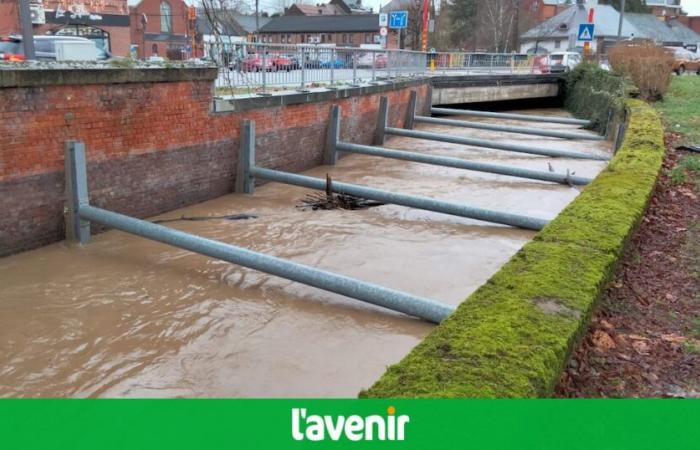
(591, 93)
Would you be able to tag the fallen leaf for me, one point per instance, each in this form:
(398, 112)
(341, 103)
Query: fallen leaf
(641, 347)
(603, 341)
(675, 338)
(636, 337)
(607, 325)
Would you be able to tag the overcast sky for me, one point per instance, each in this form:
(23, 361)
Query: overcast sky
(692, 7)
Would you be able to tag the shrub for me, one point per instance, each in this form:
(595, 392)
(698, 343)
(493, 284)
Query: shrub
(592, 93)
(646, 64)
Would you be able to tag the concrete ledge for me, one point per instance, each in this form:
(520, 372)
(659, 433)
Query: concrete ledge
(286, 98)
(514, 335)
(35, 77)
(442, 81)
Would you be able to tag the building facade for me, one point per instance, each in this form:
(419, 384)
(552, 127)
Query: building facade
(163, 28)
(338, 30)
(106, 22)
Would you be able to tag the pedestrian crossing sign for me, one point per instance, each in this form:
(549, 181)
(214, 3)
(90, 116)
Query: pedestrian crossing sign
(586, 31)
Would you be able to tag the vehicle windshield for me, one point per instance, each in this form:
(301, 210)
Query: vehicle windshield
(557, 59)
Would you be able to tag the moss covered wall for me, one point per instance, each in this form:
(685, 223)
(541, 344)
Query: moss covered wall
(514, 335)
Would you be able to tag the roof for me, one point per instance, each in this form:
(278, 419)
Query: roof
(646, 26)
(323, 24)
(227, 24)
(397, 5)
(248, 21)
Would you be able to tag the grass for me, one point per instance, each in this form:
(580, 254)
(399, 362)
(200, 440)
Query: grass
(680, 108)
(514, 335)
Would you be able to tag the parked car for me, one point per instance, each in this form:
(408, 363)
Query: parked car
(281, 62)
(685, 61)
(368, 59)
(328, 60)
(563, 61)
(254, 63)
(12, 48)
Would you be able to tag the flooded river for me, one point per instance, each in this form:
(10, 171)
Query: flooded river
(128, 317)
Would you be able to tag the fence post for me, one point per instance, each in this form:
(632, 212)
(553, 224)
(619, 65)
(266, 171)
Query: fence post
(374, 63)
(264, 69)
(77, 229)
(354, 68)
(382, 116)
(330, 154)
(332, 70)
(245, 181)
(303, 68)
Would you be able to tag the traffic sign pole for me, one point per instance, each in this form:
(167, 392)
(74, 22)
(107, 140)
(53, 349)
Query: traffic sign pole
(424, 46)
(587, 44)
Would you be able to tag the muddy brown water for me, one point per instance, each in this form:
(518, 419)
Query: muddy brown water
(128, 317)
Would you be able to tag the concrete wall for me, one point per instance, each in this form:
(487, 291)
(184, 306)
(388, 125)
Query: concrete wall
(153, 141)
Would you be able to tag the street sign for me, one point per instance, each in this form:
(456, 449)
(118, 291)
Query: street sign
(586, 32)
(398, 19)
(383, 20)
(383, 31)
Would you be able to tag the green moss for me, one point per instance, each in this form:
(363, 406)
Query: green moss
(513, 336)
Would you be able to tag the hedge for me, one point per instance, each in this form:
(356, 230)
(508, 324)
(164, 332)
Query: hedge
(513, 337)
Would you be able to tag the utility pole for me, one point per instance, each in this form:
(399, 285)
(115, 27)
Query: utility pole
(622, 16)
(25, 17)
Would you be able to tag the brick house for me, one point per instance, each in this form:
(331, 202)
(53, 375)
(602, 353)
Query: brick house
(165, 28)
(106, 22)
(341, 30)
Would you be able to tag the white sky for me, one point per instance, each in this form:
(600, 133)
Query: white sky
(692, 7)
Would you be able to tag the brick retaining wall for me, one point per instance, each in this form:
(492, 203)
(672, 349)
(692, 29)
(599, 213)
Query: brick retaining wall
(152, 145)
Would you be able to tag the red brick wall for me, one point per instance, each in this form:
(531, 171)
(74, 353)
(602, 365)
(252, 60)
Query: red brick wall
(151, 147)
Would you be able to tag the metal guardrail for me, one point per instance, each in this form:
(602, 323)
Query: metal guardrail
(80, 214)
(262, 68)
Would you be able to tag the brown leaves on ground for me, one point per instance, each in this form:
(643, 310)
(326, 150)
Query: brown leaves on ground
(645, 338)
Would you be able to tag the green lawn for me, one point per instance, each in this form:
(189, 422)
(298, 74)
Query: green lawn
(681, 108)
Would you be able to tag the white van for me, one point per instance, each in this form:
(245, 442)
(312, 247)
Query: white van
(563, 61)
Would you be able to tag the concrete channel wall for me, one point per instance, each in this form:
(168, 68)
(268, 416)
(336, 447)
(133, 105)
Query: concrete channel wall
(514, 335)
(156, 139)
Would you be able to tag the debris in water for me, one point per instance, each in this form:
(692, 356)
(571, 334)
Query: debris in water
(329, 200)
(199, 218)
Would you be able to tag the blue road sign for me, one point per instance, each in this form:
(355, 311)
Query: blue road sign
(586, 31)
(398, 19)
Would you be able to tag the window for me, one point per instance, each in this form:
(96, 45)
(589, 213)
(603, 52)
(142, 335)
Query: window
(557, 44)
(155, 50)
(345, 38)
(166, 18)
(323, 38)
(368, 38)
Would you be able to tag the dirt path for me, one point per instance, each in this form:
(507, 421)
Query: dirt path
(644, 340)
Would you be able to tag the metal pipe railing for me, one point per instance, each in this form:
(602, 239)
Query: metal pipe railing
(457, 163)
(508, 129)
(525, 117)
(491, 144)
(80, 214)
(411, 201)
(371, 293)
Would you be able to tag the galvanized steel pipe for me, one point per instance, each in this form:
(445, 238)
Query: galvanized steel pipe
(461, 164)
(491, 144)
(526, 117)
(412, 201)
(388, 298)
(508, 129)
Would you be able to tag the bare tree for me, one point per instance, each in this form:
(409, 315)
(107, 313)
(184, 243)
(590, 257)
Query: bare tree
(497, 21)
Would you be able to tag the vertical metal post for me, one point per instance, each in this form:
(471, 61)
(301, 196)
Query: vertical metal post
(374, 65)
(77, 229)
(607, 125)
(330, 155)
(25, 17)
(332, 70)
(382, 117)
(264, 68)
(303, 68)
(354, 68)
(411, 111)
(245, 181)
